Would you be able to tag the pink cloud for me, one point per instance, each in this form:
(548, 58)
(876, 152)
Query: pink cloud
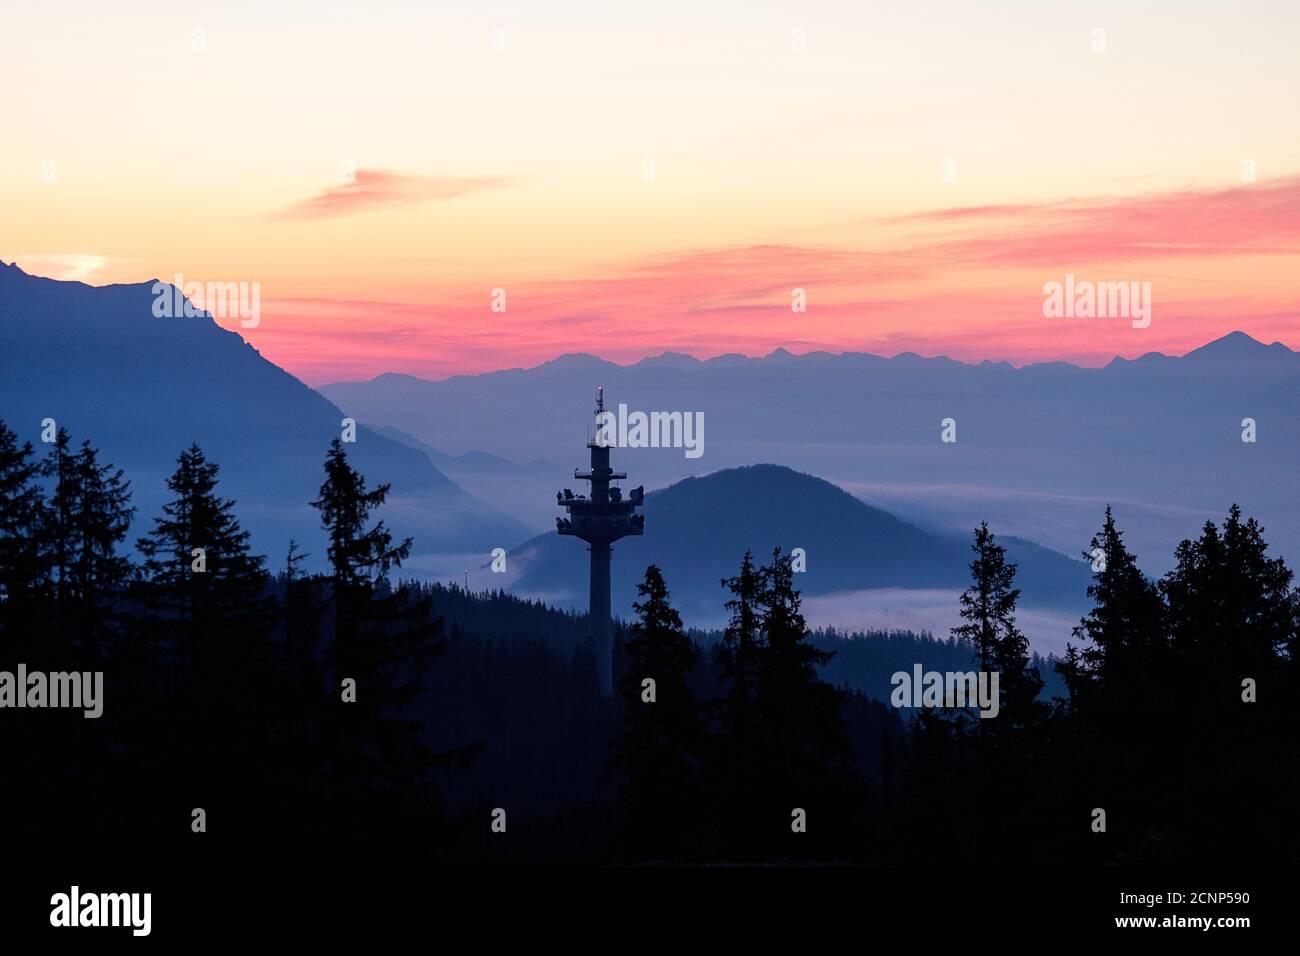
(374, 188)
(971, 290)
(1256, 219)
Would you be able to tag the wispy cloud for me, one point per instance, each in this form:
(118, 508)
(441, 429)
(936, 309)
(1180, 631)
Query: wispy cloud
(1257, 219)
(374, 189)
(966, 283)
(967, 212)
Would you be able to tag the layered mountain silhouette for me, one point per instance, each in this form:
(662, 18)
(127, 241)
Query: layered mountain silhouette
(698, 529)
(141, 388)
(521, 491)
(1040, 450)
(471, 464)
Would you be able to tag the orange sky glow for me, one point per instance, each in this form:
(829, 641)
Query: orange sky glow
(665, 181)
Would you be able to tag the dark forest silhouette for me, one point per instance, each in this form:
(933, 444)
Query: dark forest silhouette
(348, 709)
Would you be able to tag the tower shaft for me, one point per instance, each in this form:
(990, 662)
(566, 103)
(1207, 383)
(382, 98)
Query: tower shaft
(600, 627)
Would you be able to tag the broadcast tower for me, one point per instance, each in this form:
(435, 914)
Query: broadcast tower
(600, 520)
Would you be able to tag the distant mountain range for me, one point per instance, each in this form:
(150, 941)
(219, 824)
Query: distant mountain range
(471, 463)
(1040, 450)
(698, 529)
(473, 459)
(141, 388)
(518, 490)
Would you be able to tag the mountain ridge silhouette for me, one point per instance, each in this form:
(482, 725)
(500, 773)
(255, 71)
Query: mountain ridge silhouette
(141, 388)
(698, 528)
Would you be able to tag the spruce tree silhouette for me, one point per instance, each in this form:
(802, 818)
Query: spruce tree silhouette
(1121, 712)
(737, 768)
(806, 756)
(782, 744)
(384, 640)
(32, 803)
(301, 699)
(1004, 748)
(24, 576)
(91, 507)
(88, 517)
(1231, 604)
(1233, 617)
(206, 614)
(661, 744)
(57, 537)
(989, 608)
(1124, 631)
(203, 597)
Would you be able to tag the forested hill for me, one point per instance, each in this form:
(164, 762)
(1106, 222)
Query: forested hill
(863, 661)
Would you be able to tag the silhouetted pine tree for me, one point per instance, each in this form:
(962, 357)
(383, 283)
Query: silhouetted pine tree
(1232, 617)
(736, 771)
(1120, 715)
(1231, 606)
(989, 608)
(301, 616)
(782, 744)
(24, 570)
(659, 749)
(304, 695)
(202, 598)
(91, 514)
(94, 515)
(207, 619)
(741, 649)
(1004, 748)
(806, 755)
(58, 537)
(384, 639)
(27, 737)
(60, 590)
(1124, 632)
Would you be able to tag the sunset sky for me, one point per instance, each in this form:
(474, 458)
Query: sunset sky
(920, 170)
